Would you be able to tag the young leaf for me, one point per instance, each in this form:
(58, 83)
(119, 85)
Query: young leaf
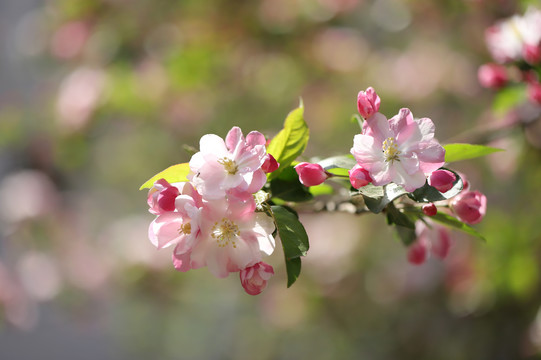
(458, 152)
(450, 221)
(377, 198)
(291, 141)
(294, 240)
(428, 193)
(175, 173)
(508, 98)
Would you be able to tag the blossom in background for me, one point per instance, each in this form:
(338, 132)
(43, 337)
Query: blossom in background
(311, 174)
(400, 150)
(431, 239)
(492, 76)
(235, 163)
(516, 38)
(469, 206)
(254, 278)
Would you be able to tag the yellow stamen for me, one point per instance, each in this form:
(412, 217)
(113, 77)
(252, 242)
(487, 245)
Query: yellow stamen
(185, 229)
(225, 232)
(390, 150)
(229, 165)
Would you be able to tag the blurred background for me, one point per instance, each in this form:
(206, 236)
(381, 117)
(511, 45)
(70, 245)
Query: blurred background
(96, 96)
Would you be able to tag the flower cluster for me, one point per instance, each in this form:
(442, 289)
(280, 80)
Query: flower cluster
(212, 219)
(515, 46)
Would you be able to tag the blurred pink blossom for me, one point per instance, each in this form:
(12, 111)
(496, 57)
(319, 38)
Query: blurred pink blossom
(469, 206)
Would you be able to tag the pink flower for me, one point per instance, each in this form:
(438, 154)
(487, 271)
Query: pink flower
(432, 239)
(161, 197)
(442, 180)
(400, 150)
(430, 209)
(311, 174)
(368, 102)
(359, 177)
(235, 163)
(254, 278)
(182, 226)
(270, 164)
(469, 206)
(534, 92)
(532, 53)
(232, 237)
(492, 76)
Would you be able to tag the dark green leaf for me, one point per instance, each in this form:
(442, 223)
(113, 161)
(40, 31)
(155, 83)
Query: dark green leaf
(175, 173)
(294, 240)
(458, 152)
(377, 198)
(428, 193)
(450, 221)
(406, 235)
(395, 216)
(287, 187)
(293, 269)
(291, 141)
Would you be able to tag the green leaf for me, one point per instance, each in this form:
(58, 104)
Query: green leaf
(288, 187)
(458, 152)
(405, 227)
(508, 98)
(321, 189)
(175, 173)
(338, 162)
(450, 221)
(291, 141)
(294, 240)
(377, 198)
(428, 193)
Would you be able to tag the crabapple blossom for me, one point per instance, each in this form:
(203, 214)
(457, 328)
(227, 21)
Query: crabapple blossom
(400, 150)
(469, 206)
(311, 174)
(359, 177)
(492, 76)
(442, 180)
(368, 102)
(161, 197)
(431, 238)
(254, 278)
(534, 92)
(232, 237)
(235, 163)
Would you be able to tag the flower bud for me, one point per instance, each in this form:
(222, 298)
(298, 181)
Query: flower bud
(531, 53)
(161, 197)
(417, 252)
(359, 177)
(470, 206)
(254, 278)
(368, 102)
(270, 164)
(311, 174)
(430, 209)
(534, 92)
(492, 76)
(442, 180)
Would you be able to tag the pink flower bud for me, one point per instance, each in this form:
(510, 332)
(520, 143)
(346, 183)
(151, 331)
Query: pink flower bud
(368, 102)
(442, 180)
(161, 197)
(311, 174)
(430, 209)
(470, 206)
(492, 76)
(359, 177)
(254, 278)
(417, 252)
(531, 53)
(534, 92)
(270, 164)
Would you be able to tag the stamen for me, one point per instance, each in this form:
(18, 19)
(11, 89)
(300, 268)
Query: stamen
(225, 233)
(229, 165)
(185, 229)
(390, 150)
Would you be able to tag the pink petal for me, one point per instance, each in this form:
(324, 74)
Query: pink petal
(234, 138)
